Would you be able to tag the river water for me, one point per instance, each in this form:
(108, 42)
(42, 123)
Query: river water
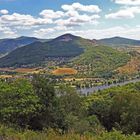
(88, 91)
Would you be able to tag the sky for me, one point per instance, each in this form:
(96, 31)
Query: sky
(93, 19)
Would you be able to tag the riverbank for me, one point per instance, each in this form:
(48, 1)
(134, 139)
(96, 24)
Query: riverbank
(88, 91)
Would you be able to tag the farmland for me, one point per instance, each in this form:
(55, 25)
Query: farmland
(64, 71)
(20, 70)
(131, 67)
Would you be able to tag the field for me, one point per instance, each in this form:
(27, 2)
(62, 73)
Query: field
(21, 70)
(136, 48)
(5, 76)
(64, 71)
(131, 67)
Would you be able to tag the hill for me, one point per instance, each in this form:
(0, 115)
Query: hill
(82, 54)
(64, 46)
(8, 45)
(115, 41)
(100, 61)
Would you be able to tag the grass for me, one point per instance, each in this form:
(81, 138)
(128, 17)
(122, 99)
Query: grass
(31, 135)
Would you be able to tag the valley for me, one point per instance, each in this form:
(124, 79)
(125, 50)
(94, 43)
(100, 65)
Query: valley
(69, 70)
(73, 60)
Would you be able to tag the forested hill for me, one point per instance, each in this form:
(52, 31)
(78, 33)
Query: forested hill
(64, 46)
(100, 61)
(102, 58)
(8, 45)
(117, 41)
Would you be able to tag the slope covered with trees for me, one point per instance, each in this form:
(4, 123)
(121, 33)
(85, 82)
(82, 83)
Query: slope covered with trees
(49, 113)
(8, 45)
(119, 41)
(35, 53)
(90, 59)
(100, 61)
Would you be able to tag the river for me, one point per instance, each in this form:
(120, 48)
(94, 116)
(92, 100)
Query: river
(88, 91)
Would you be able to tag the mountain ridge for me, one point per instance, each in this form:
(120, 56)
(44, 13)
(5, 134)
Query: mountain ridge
(117, 40)
(67, 48)
(8, 45)
(36, 52)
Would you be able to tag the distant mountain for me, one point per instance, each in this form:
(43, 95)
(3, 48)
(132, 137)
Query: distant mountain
(114, 41)
(89, 58)
(8, 45)
(64, 46)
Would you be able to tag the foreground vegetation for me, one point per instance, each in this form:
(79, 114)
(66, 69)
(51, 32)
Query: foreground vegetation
(10, 134)
(34, 110)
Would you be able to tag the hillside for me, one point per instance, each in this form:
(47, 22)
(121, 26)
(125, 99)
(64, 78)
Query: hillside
(115, 41)
(132, 67)
(8, 45)
(100, 61)
(86, 56)
(64, 46)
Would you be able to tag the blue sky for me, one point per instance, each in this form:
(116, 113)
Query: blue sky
(86, 18)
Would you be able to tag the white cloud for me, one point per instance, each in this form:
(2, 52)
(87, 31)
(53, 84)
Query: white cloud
(128, 12)
(71, 13)
(127, 2)
(41, 33)
(21, 20)
(110, 32)
(7, 32)
(94, 33)
(80, 7)
(49, 21)
(4, 11)
(45, 32)
(65, 18)
(78, 20)
(50, 14)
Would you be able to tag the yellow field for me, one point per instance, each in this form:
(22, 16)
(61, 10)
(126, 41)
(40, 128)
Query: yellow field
(63, 71)
(131, 67)
(21, 70)
(136, 48)
(26, 70)
(5, 76)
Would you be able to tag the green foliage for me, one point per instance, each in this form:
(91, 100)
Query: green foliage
(37, 52)
(117, 107)
(97, 61)
(126, 111)
(11, 134)
(100, 61)
(46, 94)
(17, 102)
(70, 111)
(36, 105)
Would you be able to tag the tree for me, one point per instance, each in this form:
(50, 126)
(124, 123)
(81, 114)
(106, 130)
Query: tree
(44, 89)
(126, 112)
(118, 107)
(18, 102)
(100, 107)
(70, 112)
